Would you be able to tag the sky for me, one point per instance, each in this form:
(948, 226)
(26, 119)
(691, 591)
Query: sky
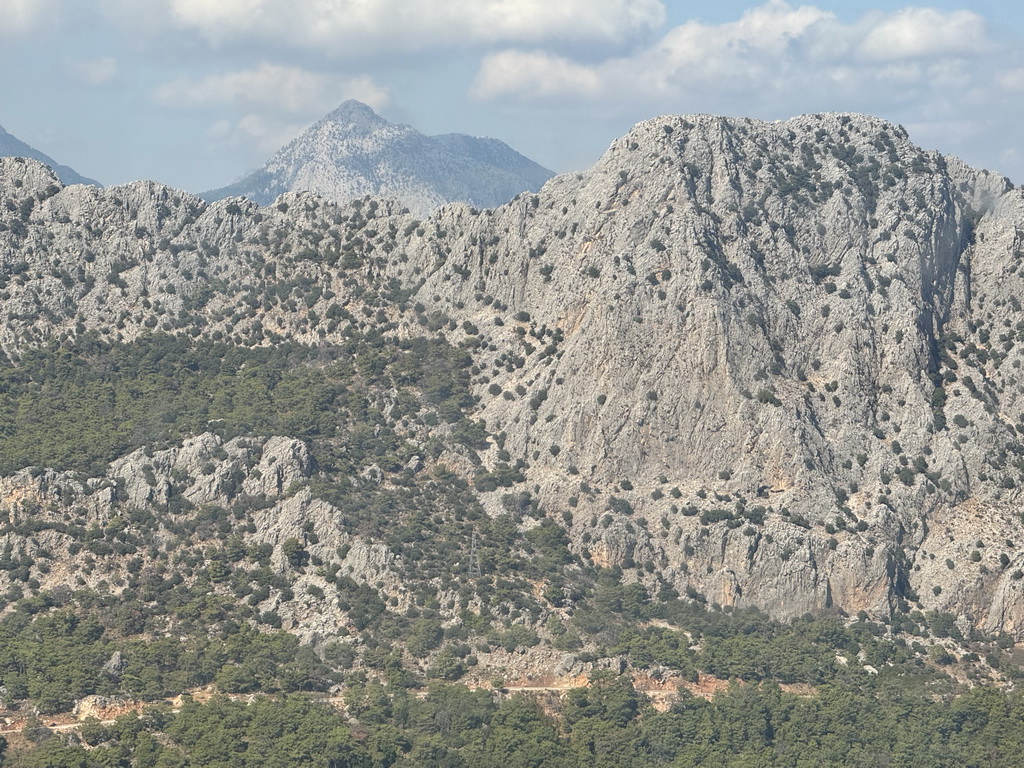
(196, 93)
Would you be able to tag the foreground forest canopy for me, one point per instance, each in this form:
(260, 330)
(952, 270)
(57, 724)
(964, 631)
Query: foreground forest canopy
(606, 725)
(731, 421)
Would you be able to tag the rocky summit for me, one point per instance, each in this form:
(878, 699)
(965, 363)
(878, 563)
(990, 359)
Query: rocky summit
(736, 364)
(353, 152)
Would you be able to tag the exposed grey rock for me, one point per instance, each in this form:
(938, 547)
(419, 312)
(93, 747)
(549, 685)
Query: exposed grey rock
(773, 364)
(352, 152)
(141, 481)
(372, 474)
(115, 665)
(283, 462)
(369, 560)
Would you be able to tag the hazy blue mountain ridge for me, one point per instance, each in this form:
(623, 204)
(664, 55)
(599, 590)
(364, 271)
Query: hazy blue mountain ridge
(12, 146)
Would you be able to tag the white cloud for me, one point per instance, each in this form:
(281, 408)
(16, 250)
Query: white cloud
(549, 75)
(268, 105)
(759, 47)
(265, 133)
(94, 71)
(773, 55)
(943, 73)
(21, 16)
(1011, 79)
(354, 27)
(725, 57)
(926, 33)
(272, 87)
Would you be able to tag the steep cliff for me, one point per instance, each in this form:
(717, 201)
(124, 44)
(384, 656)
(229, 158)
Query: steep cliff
(768, 364)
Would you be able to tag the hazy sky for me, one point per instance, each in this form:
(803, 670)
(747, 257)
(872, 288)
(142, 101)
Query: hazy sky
(194, 93)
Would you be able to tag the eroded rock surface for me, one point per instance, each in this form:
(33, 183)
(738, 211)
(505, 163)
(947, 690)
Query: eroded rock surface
(773, 364)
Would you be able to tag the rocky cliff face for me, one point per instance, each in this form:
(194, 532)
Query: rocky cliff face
(353, 152)
(772, 364)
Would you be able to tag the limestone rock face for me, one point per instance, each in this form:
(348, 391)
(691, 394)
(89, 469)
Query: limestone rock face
(761, 318)
(352, 152)
(210, 474)
(772, 364)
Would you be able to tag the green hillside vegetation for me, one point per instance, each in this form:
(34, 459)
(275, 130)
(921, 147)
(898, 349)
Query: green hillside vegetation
(80, 406)
(607, 725)
(910, 711)
(183, 616)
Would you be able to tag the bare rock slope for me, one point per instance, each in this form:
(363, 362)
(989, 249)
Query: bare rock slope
(353, 152)
(771, 364)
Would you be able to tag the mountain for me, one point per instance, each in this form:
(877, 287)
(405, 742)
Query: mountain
(352, 152)
(787, 348)
(11, 146)
(737, 368)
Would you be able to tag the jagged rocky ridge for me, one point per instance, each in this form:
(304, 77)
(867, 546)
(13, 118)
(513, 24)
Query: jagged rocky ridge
(12, 146)
(773, 364)
(353, 152)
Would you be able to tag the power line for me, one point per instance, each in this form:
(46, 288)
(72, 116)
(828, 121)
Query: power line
(474, 570)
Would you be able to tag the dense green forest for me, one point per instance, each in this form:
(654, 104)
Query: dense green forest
(911, 712)
(606, 725)
(79, 406)
(53, 656)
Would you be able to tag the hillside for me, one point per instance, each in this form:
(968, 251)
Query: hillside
(735, 366)
(353, 152)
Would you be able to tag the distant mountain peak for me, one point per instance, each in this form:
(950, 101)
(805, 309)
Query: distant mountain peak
(12, 146)
(353, 152)
(351, 119)
(356, 112)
